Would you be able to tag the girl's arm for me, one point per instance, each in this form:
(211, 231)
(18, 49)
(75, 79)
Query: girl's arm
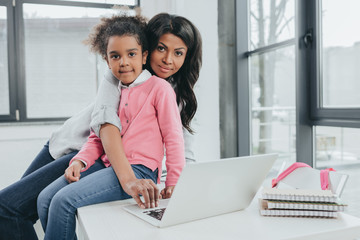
(106, 104)
(111, 139)
(171, 130)
(85, 158)
(106, 124)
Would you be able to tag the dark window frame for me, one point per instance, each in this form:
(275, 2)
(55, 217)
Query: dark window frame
(309, 112)
(243, 82)
(320, 116)
(11, 62)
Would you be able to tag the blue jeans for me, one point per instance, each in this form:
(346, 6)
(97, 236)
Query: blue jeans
(58, 203)
(18, 210)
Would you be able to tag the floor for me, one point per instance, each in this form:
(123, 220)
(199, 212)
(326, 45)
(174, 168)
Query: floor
(19, 144)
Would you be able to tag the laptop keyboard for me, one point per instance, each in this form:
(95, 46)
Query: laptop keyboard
(156, 213)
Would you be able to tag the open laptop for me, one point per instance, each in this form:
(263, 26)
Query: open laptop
(208, 189)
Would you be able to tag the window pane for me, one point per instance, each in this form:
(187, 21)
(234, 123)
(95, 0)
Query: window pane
(61, 73)
(118, 2)
(273, 103)
(340, 54)
(337, 146)
(4, 74)
(271, 22)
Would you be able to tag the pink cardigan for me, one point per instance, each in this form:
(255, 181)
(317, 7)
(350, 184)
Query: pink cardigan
(150, 118)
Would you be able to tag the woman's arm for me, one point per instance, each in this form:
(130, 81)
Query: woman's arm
(74, 132)
(189, 146)
(106, 104)
(111, 139)
(72, 135)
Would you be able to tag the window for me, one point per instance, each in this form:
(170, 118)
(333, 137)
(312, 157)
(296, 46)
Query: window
(297, 87)
(271, 59)
(271, 22)
(340, 53)
(123, 2)
(53, 67)
(334, 98)
(337, 146)
(4, 73)
(336, 102)
(59, 68)
(273, 102)
(329, 116)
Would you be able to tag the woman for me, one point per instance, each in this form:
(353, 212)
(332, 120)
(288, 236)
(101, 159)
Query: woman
(18, 210)
(175, 47)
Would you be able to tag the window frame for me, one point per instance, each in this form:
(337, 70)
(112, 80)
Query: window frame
(243, 74)
(309, 112)
(11, 61)
(321, 116)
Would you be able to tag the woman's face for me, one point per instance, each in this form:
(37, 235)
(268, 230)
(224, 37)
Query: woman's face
(169, 55)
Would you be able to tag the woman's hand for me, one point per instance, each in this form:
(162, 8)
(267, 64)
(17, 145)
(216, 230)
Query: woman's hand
(145, 187)
(72, 173)
(167, 192)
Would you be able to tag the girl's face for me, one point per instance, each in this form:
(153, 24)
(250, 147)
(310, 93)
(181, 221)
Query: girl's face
(169, 55)
(125, 58)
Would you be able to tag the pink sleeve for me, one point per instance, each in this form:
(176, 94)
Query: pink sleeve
(90, 151)
(171, 129)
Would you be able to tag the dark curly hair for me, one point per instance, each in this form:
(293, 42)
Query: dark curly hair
(188, 74)
(117, 26)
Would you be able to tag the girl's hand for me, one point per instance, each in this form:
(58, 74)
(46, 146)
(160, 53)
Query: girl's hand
(145, 187)
(72, 173)
(167, 192)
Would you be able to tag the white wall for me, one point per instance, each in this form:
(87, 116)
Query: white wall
(203, 13)
(19, 145)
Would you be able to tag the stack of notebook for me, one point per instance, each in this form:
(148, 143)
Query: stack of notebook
(299, 203)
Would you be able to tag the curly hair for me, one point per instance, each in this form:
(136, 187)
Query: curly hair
(117, 26)
(188, 74)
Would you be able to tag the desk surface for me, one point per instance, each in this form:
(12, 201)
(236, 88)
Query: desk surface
(110, 221)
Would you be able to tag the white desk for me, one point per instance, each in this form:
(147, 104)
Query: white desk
(110, 221)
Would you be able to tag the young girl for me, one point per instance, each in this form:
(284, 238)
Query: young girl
(150, 119)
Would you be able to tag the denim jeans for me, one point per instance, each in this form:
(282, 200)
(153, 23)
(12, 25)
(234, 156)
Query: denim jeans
(58, 203)
(18, 210)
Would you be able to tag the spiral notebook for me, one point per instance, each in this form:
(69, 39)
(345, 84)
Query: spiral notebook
(308, 195)
(297, 213)
(319, 206)
(299, 203)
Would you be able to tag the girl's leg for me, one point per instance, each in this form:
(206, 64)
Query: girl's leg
(101, 186)
(46, 196)
(40, 160)
(18, 201)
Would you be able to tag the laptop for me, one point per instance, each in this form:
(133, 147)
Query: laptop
(207, 189)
